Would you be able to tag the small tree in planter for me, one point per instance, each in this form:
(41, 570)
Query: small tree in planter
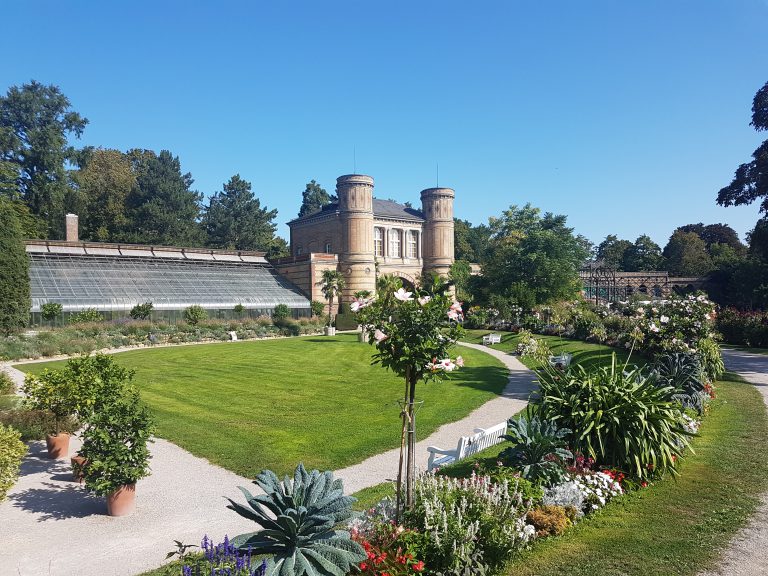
(51, 310)
(55, 392)
(141, 311)
(413, 333)
(331, 283)
(115, 448)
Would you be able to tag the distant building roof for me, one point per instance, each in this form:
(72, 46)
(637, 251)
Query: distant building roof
(381, 209)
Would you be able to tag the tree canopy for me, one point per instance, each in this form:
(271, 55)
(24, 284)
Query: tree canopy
(314, 198)
(162, 207)
(235, 220)
(35, 123)
(750, 182)
(686, 255)
(470, 241)
(533, 259)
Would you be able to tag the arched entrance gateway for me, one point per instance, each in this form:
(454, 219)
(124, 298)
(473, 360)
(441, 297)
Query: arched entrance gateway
(604, 284)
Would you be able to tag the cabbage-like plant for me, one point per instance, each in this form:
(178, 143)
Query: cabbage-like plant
(620, 418)
(301, 537)
(538, 449)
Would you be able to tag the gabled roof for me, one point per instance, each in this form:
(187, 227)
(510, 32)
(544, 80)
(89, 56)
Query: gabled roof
(381, 209)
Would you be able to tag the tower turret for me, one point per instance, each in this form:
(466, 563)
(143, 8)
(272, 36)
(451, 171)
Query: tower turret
(437, 240)
(356, 262)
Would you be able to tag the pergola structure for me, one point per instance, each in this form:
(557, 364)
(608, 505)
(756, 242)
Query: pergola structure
(605, 284)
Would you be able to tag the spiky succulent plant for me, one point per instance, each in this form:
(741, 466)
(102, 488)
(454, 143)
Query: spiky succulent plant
(301, 536)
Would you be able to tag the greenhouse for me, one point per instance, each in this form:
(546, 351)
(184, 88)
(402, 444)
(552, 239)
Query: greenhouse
(114, 278)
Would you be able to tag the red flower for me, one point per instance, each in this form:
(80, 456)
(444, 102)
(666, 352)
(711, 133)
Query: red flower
(419, 566)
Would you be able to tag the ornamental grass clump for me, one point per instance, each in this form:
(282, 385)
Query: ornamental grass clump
(621, 419)
(471, 524)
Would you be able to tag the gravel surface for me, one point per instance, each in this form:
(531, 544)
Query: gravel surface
(747, 554)
(50, 526)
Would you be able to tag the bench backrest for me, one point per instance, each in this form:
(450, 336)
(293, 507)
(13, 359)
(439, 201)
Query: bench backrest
(481, 440)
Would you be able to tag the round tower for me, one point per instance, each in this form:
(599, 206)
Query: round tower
(356, 262)
(437, 233)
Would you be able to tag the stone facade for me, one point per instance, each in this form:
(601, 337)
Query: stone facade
(368, 236)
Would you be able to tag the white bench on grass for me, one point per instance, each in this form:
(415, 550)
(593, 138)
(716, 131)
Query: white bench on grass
(492, 339)
(561, 361)
(467, 446)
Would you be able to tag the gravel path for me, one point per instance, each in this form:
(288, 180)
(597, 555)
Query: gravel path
(51, 526)
(747, 554)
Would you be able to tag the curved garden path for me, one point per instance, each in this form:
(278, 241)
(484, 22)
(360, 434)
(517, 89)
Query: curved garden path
(50, 525)
(747, 554)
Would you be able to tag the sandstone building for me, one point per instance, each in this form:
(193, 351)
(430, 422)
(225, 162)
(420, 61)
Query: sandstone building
(362, 237)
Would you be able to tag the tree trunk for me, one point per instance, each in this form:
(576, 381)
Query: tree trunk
(411, 465)
(403, 434)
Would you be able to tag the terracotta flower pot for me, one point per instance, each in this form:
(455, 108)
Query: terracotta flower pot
(122, 501)
(58, 445)
(78, 465)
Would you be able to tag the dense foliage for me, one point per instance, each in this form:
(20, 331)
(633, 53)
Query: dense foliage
(51, 310)
(12, 451)
(141, 311)
(195, 314)
(620, 417)
(14, 276)
(537, 448)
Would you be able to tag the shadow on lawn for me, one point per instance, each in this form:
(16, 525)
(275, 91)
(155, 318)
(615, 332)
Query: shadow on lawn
(496, 379)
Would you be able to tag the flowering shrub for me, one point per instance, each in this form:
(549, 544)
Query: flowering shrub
(675, 325)
(470, 523)
(222, 560)
(597, 488)
(390, 549)
(529, 345)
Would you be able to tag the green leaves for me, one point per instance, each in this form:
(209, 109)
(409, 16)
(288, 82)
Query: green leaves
(301, 535)
(621, 419)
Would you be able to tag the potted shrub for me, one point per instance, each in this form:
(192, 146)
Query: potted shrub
(53, 391)
(115, 448)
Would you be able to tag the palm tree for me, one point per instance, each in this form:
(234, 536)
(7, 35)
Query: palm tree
(331, 283)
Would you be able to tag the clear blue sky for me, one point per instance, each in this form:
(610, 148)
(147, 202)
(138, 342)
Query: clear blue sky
(626, 116)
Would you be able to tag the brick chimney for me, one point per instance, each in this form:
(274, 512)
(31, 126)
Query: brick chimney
(72, 233)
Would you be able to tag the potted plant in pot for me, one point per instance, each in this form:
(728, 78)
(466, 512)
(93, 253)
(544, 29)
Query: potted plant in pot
(331, 284)
(96, 382)
(115, 448)
(54, 392)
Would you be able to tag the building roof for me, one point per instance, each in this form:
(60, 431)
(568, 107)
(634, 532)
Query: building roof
(381, 209)
(111, 277)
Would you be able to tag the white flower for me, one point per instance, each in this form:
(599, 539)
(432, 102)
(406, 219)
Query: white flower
(459, 361)
(424, 300)
(653, 327)
(379, 336)
(403, 296)
(664, 319)
(359, 303)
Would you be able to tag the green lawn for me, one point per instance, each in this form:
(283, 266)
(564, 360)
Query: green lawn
(271, 404)
(585, 353)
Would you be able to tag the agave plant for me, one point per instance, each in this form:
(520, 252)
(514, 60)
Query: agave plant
(301, 536)
(538, 449)
(685, 375)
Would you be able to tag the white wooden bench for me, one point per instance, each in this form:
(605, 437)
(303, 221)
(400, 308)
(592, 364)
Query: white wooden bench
(492, 339)
(467, 446)
(561, 361)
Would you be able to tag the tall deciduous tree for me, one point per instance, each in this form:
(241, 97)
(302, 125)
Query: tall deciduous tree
(104, 183)
(686, 255)
(643, 255)
(470, 241)
(751, 179)
(162, 207)
(35, 123)
(314, 198)
(716, 234)
(234, 219)
(14, 272)
(535, 255)
(612, 251)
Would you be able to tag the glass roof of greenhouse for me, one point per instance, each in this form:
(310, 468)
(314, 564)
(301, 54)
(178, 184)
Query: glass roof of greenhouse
(108, 277)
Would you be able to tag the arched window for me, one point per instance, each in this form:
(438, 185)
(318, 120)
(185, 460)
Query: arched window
(327, 247)
(657, 291)
(378, 242)
(643, 289)
(395, 243)
(413, 244)
(299, 250)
